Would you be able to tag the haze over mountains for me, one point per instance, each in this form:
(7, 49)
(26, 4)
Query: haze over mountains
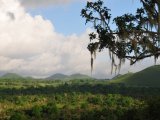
(149, 77)
(60, 76)
(12, 76)
(57, 76)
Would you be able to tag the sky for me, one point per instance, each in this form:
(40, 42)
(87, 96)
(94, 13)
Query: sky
(43, 37)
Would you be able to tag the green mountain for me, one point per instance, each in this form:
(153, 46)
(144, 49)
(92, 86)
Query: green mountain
(148, 77)
(59, 76)
(121, 78)
(79, 76)
(12, 76)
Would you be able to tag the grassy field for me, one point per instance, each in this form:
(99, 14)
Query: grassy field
(148, 77)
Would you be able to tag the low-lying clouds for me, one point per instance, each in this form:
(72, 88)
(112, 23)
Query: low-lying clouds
(31, 46)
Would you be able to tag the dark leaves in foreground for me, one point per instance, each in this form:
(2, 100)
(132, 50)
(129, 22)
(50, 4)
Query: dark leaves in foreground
(136, 37)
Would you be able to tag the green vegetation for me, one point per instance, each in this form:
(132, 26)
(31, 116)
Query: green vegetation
(76, 100)
(60, 76)
(12, 76)
(148, 77)
(134, 37)
(80, 99)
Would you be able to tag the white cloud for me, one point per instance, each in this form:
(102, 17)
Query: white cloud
(31, 46)
(40, 3)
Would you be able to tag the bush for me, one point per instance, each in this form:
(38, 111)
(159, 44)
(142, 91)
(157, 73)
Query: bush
(36, 111)
(18, 116)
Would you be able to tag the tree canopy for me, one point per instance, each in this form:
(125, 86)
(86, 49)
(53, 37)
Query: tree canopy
(136, 37)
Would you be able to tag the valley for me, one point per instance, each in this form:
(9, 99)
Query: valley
(80, 99)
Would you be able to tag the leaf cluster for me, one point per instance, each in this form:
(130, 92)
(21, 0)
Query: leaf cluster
(136, 37)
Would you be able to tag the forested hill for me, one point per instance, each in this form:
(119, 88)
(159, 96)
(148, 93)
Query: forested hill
(57, 76)
(13, 76)
(68, 77)
(148, 77)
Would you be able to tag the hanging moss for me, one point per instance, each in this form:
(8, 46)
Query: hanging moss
(136, 37)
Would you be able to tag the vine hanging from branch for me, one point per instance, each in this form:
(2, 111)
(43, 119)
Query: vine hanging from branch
(136, 37)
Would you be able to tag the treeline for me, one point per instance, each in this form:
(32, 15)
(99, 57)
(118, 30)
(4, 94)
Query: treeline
(84, 88)
(77, 100)
(101, 107)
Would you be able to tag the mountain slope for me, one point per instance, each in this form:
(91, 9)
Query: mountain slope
(147, 77)
(79, 76)
(121, 78)
(57, 76)
(11, 76)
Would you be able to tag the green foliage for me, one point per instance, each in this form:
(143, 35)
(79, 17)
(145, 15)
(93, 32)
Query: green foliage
(12, 76)
(18, 116)
(94, 100)
(59, 76)
(153, 109)
(136, 36)
(110, 108)
(77, 100)
(148, 77)
(36, 112)
(50, 108)
(84, 105)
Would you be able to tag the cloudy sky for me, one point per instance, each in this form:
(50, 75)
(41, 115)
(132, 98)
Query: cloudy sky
(43, 37)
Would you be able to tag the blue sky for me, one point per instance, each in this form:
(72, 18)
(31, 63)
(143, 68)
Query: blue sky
(49, 36)
(66, 17)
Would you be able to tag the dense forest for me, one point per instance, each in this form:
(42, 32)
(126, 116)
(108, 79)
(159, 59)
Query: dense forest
(79, 99)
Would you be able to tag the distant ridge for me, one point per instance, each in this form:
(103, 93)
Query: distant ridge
(60, 76)
(147, 77)
(12, 76)
(79, 76)
(57, 76)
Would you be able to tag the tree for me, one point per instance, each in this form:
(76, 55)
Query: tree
(37, 111)
(18, 116)
(136, 37)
